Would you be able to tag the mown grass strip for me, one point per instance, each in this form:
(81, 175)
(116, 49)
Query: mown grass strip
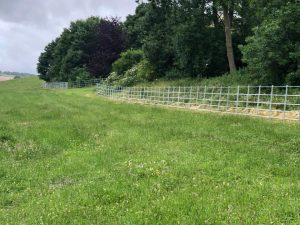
(67, 157)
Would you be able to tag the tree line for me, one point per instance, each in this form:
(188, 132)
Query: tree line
(20, 74)
(182, 38)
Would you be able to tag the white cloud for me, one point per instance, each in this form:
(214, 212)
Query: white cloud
(27, 26)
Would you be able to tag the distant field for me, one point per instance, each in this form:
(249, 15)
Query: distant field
(6, 77)
(70, 157)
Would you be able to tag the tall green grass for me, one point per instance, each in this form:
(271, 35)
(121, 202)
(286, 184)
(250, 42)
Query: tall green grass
(234, 79)
(69, 157)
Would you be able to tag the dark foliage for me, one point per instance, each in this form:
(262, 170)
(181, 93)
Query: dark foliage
(104, 47)
(86, 50)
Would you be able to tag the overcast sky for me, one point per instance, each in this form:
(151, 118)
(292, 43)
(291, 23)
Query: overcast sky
(27, 26)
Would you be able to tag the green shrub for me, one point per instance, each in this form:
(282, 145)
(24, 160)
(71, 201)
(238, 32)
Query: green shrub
(293, 78)
(127, 60)
(140, 72)
(112, 78)
(273, 53)
(175, 74)
(146, 71)
(80, 74)
(241, 77)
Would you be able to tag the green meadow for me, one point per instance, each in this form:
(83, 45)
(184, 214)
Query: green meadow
(70, 157)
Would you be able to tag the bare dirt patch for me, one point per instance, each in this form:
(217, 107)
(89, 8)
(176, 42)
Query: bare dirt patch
(5, 78)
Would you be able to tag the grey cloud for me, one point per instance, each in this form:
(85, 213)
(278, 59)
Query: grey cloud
(26, 26)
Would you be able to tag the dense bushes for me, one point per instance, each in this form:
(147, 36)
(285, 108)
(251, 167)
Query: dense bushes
(273, 53)
(177, 38)
(131, 68)
(171, 39)
(127, 60)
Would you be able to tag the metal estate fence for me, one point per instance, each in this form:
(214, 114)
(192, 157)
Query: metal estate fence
(57, 85)
(72, 84)
(280, 102)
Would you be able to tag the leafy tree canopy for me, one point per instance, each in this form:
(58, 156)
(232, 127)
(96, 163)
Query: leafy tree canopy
(86, 49)
(273, 52)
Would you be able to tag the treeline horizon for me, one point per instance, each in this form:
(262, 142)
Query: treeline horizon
(4, 72)
(176, 39)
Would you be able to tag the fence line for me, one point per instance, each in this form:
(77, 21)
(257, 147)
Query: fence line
(57, 85)
(281, 102)
(72, 84)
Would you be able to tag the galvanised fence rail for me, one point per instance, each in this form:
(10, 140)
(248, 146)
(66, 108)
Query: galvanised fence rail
(280, 102)
(56, 85)
(72, 84)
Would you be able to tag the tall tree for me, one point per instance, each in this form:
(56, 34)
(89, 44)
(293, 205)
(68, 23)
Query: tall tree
(45, 61)
(273, 52)
(104, 47)
(227, 13)
(178, 38)
(86, 49)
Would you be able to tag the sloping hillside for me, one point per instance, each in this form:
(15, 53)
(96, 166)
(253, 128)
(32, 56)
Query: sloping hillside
(69, 157)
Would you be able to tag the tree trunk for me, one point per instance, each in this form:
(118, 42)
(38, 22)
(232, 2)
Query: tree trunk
(228, 36)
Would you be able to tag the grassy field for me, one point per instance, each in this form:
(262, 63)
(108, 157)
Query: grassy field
(70, 157)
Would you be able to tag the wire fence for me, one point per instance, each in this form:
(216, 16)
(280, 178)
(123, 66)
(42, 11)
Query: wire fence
(55, 85)
(280, 102)
(72, 84)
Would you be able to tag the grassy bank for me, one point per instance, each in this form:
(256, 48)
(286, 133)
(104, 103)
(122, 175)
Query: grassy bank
(239, 78)
(69, 157)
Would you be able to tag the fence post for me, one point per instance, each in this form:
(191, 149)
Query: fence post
(141, 93)
(131, 93)
(164, 95)
(271, 101)
(197, 96)
(178, 95)
(168, 97)
(258, 99)
(211, 96)
(285, 100)
(220, 97)
(237, 99)
(247, 101)
(190, 100)
(227, 99)
(184, 96)
(204, 96)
